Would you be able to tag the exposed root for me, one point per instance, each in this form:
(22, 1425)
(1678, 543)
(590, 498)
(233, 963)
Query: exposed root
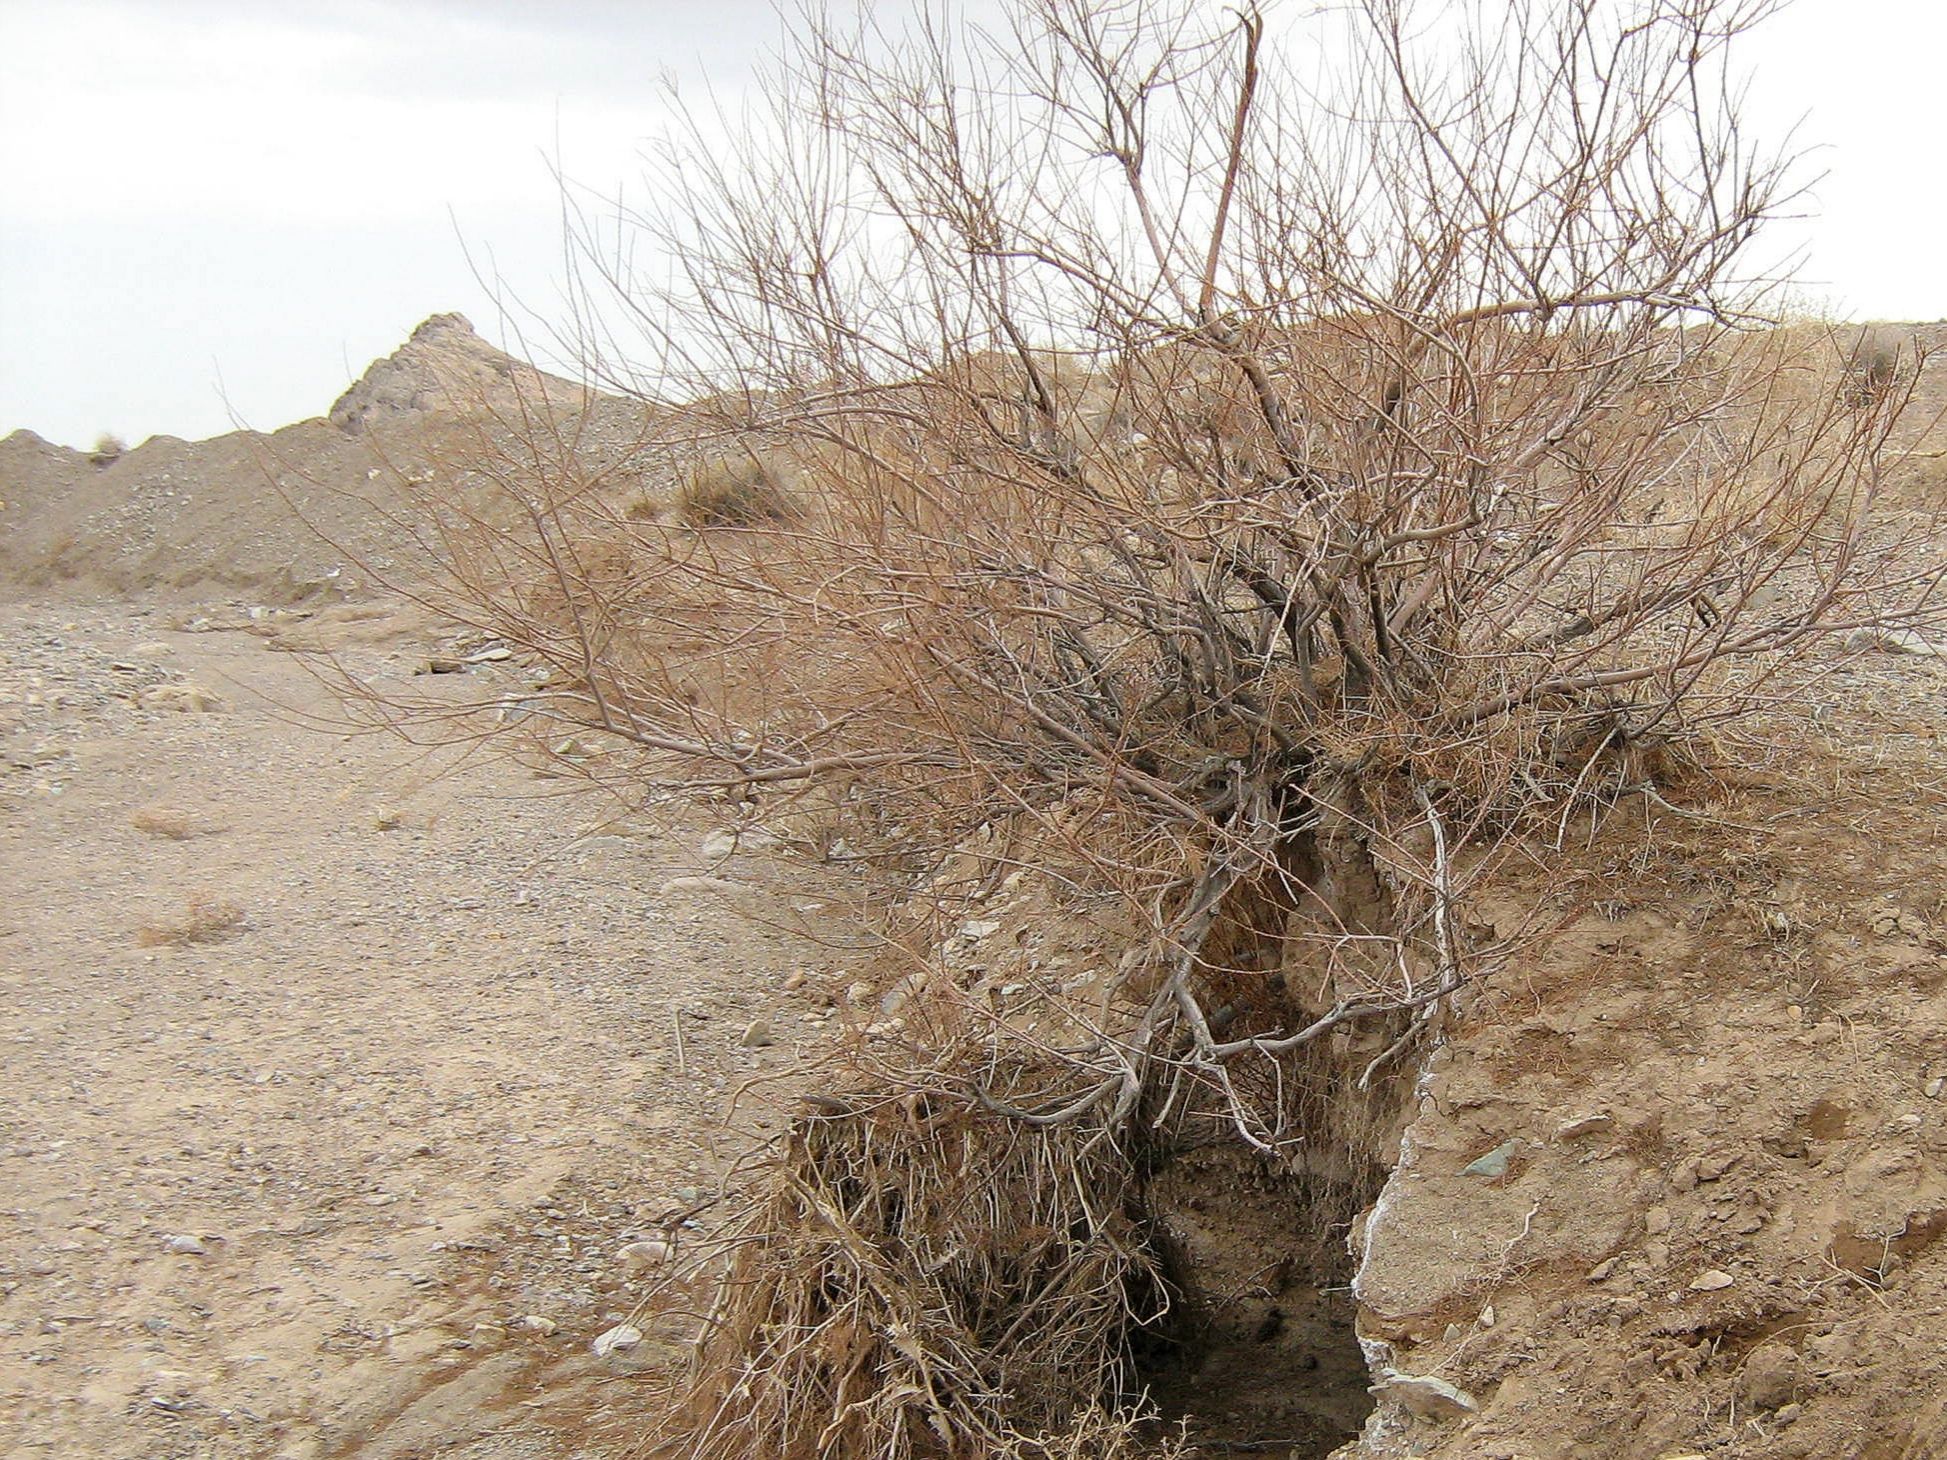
(929, 1278)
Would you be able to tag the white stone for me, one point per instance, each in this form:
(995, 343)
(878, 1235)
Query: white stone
(615, 1340)
(1423, 1394)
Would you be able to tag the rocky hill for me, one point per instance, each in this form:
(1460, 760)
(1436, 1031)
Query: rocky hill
(321, 508)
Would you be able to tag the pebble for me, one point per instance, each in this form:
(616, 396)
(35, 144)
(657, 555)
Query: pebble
(641, 1256)
(1934, 1086)
(186, 1244)
(1769, 1377)
(1494, 1163)
(724, 842)
(1714, 1168)
(1711, 1280)
(1587, 1125)
(187, 698)
(615, 1340)
(757, 1034)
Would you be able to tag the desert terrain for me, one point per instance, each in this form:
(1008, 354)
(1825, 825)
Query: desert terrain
(358, 1089)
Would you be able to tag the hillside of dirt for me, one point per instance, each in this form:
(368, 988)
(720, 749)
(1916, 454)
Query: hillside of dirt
(322, 511)
(363, 1090)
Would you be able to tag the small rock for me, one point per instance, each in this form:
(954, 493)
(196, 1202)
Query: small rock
(1769, 1377)
(1710, 1280)
(1425, 1395)
(494, 655)
(1494, 1163)
(185, 698)
(757, 1034)
(793, 981)
(1902, 641)
(1602, 1271)
(724, 842)
(1715, 1167)
(1684, 1178)
(978, 928)
(1587, 1125)
(615, 1340)
(1935, 1086)
(535, 1324)
(1656, 1221)
(643, 1255)
(186, 1244)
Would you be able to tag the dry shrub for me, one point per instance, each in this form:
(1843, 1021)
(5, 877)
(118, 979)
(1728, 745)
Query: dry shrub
(739, 488)
(1425, 478)
(930, 1277)
(205, 920)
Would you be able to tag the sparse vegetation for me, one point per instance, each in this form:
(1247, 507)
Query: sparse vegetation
(205, 919)
(736, 488)
(1872, 371)
(168, 822)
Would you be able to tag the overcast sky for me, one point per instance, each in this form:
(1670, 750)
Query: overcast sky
(211, 207)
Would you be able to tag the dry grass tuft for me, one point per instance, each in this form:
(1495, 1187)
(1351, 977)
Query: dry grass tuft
(927, 1277)
(204, 920)
(170, 823)
(739, 489)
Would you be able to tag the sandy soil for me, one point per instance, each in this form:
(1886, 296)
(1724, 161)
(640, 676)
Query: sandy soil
(287, 1187)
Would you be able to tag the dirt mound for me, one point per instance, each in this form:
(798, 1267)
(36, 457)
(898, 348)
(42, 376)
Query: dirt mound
(445, 366)
(323, 508)
(279, 518)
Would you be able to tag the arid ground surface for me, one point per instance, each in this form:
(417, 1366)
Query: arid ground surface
(350, 1084)
(287, 1186)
